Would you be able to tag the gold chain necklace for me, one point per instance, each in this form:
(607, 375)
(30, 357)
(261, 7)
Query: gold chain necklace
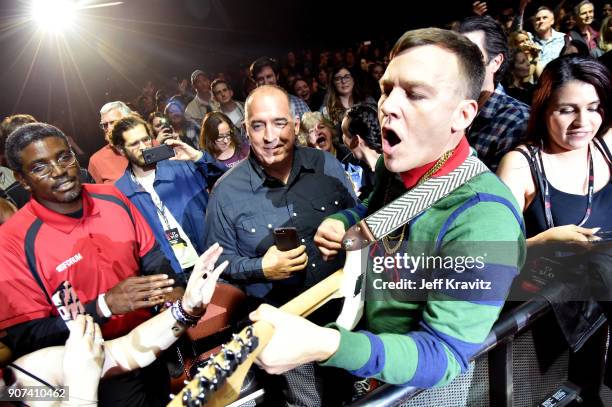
(385, 240)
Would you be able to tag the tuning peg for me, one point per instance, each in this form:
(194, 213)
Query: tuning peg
(228, 353)
(240, 356)
(253, 343)
(249, 331)
(186, 397)
(203, 383)
(172, 396)
(194, 403)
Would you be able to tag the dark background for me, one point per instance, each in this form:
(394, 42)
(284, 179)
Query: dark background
(113, 51)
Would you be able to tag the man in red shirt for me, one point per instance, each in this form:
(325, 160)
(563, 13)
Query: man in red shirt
(90, 235)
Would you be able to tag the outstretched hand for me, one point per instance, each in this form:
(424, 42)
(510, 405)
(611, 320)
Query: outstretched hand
(83, 357)
(183, 151)
(479, 8)
(202, 281)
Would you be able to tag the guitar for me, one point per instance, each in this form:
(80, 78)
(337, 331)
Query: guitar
(218, 383)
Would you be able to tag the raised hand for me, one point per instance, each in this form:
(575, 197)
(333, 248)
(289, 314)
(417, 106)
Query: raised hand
(83, 359)
(183, 151)
(479, 8)
(202, 281)
(138, 292)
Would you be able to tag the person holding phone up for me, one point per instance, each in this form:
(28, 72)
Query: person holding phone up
(171, 194)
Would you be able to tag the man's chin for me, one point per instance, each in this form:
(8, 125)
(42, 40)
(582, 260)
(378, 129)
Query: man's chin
(71, 195)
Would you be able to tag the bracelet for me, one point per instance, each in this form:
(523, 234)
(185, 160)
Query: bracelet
(179, 313)
(106, 312)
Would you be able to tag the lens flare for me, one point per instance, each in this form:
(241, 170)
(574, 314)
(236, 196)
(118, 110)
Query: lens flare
(54, 15)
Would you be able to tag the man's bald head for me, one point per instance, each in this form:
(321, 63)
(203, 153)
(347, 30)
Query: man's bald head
(267, 90)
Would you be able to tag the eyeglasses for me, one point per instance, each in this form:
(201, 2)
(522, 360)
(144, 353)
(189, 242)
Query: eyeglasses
(44, 170)
(104, 126)
(223, 137)
(342, 79)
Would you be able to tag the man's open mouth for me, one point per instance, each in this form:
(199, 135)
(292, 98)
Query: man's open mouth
(391, 137)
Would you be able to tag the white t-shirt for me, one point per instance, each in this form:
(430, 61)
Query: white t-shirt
(185, 253)
(236, 115)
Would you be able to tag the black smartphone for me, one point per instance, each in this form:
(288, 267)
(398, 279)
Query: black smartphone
(286, 238)
(165, 124)
(155, 154)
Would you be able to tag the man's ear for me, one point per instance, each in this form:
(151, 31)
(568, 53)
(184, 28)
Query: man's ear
(496, 62)
(296, 124)
(21, 179)
(120, 149)
(355, 141)
(464, 115)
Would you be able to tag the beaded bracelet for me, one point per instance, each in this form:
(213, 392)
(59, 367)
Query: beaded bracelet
(179, 313)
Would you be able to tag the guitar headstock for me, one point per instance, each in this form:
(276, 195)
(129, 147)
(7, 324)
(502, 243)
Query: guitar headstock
(218, 382)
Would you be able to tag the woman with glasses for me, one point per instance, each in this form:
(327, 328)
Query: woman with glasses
(342, 93)
(219, 137)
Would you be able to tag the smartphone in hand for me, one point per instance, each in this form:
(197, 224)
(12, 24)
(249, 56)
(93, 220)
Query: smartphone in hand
(286, 238)
(156, 154)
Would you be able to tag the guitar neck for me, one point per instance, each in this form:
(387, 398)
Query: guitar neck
(262, 331)
(316, 296)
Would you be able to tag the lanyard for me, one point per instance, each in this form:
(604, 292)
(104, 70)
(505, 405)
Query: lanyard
(546, 192)
(159, 206)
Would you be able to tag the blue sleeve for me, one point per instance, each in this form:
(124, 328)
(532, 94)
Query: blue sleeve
(334, 169)
(209, 168)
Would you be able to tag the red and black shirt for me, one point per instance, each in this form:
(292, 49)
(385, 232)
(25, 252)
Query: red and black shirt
(41, 248)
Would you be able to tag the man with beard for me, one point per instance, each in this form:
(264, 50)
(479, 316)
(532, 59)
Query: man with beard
(501, 119)
(171, 194)
(429, 94)
(90, 235)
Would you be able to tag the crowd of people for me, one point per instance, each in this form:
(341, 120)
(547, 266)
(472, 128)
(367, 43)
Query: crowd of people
(317, 145)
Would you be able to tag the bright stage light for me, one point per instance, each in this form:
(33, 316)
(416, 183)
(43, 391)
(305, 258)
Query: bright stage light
(54, 15)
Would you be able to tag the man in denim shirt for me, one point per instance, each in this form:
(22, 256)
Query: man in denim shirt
(280, 185)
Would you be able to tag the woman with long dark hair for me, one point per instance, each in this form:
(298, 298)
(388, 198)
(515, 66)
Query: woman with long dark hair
(220, 138)
(342, 93)
(560, 176)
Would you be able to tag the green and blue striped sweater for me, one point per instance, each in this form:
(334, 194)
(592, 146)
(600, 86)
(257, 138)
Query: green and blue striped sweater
(428, 343)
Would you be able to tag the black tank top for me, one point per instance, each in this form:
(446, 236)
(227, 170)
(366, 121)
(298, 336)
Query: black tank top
(567, 209)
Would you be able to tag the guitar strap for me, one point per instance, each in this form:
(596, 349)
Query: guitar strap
(387, 219)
